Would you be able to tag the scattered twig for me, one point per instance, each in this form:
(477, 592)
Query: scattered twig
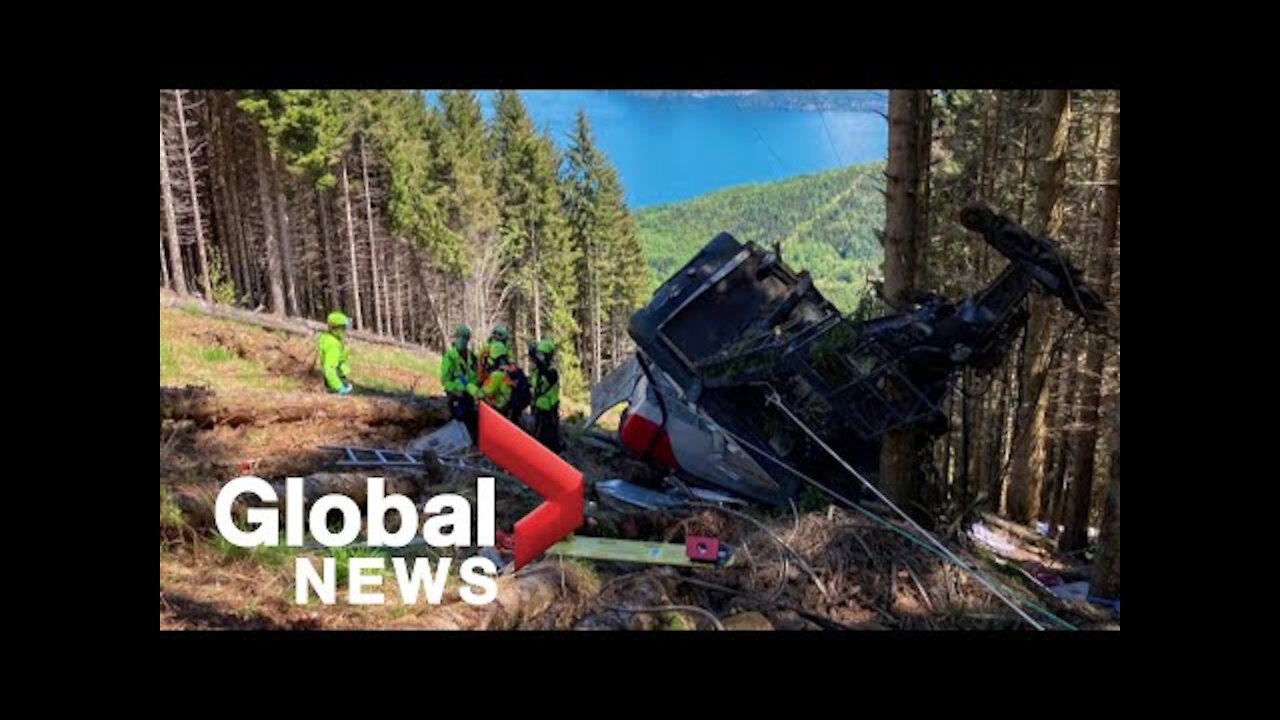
(799, 558)
(920, 586)
(853, 530)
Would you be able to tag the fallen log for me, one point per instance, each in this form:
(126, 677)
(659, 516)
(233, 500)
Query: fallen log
(1022, 532)
(296, 326)
(246, 407)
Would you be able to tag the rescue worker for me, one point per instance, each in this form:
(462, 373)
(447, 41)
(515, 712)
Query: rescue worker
(458, 370)
(483, 365)
(496, 389)
(333, 354)
(545, 382)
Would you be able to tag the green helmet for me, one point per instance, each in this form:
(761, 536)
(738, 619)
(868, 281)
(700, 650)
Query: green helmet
(547, 347)
(338, 320)
(497, 349)
(462, 332)
(500, 332)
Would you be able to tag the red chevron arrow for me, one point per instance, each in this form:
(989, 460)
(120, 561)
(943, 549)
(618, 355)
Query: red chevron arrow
(555, 480)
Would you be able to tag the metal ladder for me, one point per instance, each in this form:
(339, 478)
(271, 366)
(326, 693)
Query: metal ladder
(373, 457)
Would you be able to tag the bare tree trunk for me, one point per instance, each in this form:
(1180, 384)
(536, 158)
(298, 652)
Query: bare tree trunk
(164, 268)
(195, 199)
(1106, 573)
(537, 303)
(274, 275)
(1050, 498)
(330, 273)
(424, 284)
(899, 455)
(1027, 465)
(966, 437)
(1075, 530)
(351, 243)
(378, 314)
(278, 179)
(217, 174)
(176, 275)
(413, 313)
(395, 264)
(244, 270)
(999, 431)
(595, 319)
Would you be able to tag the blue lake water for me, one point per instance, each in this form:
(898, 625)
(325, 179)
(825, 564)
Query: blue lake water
(674, 148)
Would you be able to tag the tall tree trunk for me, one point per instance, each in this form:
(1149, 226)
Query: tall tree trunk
(899, 455)
(1075, 530)
(195, 198)
(351, 243)
(999, 430)
(595, 320)
(176, 276)
(378, 314)
(274, 275)
(1106, 572)
(537, 300)
(1050, 498)
(217, 175)
(279, 176)
(330, 273)
(1027, 465)
(231, 167)
(412, 297)
(395, 264)
(164, 267)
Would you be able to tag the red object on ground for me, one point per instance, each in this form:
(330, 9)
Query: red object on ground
(638, 435)
(698, 547)
(551, 477)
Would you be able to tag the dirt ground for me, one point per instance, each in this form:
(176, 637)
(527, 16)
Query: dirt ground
(823, 569)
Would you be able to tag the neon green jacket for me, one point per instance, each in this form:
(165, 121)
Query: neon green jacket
(458, 372)
(333, 360)
(546, 389)
(496, 390)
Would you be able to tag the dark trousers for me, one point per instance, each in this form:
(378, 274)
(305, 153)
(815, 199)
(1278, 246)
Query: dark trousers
(546, 428)
(463, 407)
(514, 414)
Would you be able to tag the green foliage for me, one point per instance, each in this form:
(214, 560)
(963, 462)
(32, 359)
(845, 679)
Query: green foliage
(171, 516)
(826, 223)
(306, 127)
(609, 263)
(342, 560)
(269, 556)
(465, 172)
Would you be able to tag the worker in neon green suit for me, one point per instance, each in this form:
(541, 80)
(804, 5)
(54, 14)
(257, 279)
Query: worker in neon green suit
(333, 354)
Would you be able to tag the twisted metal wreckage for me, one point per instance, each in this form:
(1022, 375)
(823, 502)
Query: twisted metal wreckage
(748, 384)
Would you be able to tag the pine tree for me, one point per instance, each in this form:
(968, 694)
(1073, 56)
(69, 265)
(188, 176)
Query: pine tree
(581, 188)
(470, 207)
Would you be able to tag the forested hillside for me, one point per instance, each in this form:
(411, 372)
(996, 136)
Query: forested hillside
(410, 216)
(826, 223)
